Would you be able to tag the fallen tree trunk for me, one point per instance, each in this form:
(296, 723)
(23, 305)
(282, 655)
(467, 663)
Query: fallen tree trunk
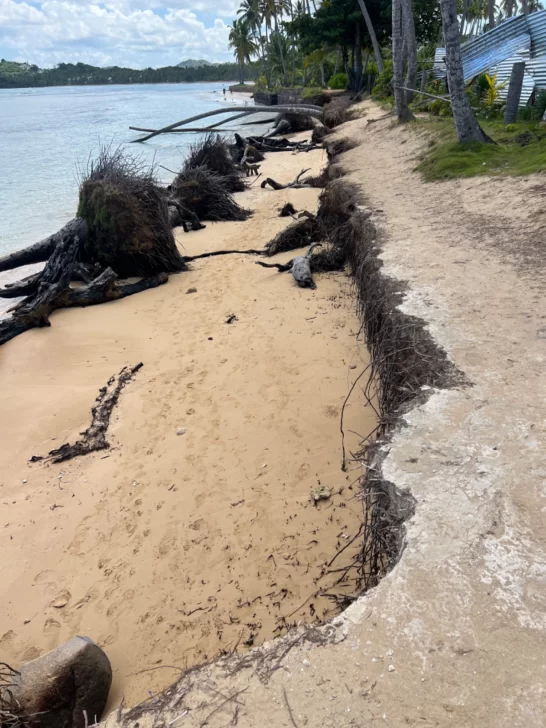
(39, 252)
(310, 110)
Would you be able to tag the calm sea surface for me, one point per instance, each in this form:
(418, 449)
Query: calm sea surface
(47, 135)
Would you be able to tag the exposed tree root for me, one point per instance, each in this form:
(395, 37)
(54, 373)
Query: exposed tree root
(298, 234)
(54, 292)
(295, 184)
(189, 258)
(94, 438)
(39, 252)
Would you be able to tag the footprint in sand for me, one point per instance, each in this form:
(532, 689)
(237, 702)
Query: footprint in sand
(51, 627)
(61, 599)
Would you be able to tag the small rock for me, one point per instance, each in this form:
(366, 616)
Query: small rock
(353, 366)
(322, 492)
(191, 290)
(306, 662)
(210, 338)
(181, 431)
(27, 621)
(391, 668)
(25, 481)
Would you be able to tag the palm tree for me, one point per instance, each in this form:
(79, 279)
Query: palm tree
(243, 44)
(468, 129)
(270, 11)
(373, 37)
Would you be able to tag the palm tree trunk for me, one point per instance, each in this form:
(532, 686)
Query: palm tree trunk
(358, 59)
(338, 57)
(510, 8)
(411, 47)
(468, 129)
(279, 42)
(491, 13)
(268, 72)
(293, 47)
(401, 108)
(525, 7)
(373, 37)
(322, 78)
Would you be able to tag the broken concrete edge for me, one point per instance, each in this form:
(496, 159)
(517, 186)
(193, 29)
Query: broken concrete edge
(415, 369)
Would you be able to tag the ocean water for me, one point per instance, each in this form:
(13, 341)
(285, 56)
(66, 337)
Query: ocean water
(47, 137)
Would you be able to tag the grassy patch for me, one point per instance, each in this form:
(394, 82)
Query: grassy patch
(520, 149)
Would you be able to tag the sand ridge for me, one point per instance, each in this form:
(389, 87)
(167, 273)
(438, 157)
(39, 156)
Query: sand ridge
(170, 548)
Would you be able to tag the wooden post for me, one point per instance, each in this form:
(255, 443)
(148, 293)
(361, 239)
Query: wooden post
(514, 92)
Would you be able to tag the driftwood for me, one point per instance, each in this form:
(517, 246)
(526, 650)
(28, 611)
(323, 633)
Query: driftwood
(54, 291)
(264, 144)
(287, 210)
(94, 438)
(181, 215)
(310, 110)
(298, 234)
(39, 252)
(299, 267)
(295, 184)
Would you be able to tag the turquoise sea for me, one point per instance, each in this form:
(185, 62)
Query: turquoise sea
(47, 136)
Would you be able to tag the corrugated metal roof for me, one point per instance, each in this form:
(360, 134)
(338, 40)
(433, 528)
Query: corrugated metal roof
(519, 38)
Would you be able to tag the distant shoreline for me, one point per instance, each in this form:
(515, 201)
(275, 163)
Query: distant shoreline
(22, 75)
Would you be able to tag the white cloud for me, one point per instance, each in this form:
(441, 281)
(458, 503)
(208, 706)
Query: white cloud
(137, 33)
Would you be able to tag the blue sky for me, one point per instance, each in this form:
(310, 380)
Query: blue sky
(136, 33)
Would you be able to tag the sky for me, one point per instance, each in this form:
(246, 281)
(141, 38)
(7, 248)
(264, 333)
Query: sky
(133, 33)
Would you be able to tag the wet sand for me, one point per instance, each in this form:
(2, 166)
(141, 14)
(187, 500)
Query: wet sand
(168, 549)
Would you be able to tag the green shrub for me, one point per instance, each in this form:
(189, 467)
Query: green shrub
(339, 81)
(383, 83)
(525, 114)
(261, 83)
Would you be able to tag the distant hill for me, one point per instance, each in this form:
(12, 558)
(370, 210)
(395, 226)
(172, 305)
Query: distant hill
(23, 75)
(192, 63)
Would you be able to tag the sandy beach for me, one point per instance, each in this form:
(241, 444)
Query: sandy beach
(169, 549)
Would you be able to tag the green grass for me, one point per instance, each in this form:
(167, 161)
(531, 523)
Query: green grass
(447, 159)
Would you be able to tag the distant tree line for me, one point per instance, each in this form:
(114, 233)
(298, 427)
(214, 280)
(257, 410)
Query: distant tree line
(23, 75)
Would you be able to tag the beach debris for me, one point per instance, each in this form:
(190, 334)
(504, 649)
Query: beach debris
(211, 151)
(66, 688)
(304, 109)
(321, 492)
(205, 193)
(122, 230)
(296, 184)
(94, 438)
(181, 431)
(287, 210)
(191, 290)
(231, 318)
(298, 234)
(299, 267)
(127, 218)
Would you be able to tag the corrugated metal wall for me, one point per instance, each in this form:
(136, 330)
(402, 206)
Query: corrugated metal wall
(519, 38)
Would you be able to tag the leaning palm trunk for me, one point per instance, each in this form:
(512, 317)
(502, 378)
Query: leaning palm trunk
(401, 107)
(279, 43)
(373, 37)
(411, 47)
(525, 6)
(468, 129)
